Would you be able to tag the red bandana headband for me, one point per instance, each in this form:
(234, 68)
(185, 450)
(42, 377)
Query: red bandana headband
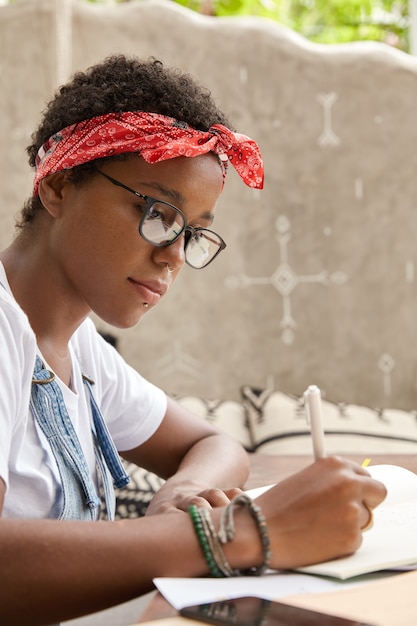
(155, 137)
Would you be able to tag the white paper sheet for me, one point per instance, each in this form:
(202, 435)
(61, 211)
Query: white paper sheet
(180, 592)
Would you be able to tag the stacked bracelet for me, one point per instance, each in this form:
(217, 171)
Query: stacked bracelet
(227, 529)
(211, 542)
(204, 541)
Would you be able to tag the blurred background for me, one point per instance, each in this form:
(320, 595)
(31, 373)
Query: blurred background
(317, 283)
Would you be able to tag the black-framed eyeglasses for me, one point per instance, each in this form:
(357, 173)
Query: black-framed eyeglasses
(162, 223)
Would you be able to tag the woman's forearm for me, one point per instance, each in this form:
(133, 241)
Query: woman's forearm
(217, 461)
(52, 571)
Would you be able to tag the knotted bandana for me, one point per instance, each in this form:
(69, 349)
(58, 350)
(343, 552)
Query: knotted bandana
(155, 137)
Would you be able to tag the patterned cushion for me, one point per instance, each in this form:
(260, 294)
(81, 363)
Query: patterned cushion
(227, 415)
(133, 500)
(278, 425)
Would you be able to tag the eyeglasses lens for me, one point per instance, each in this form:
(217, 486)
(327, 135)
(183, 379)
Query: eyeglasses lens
(201, 248)
(163, 224)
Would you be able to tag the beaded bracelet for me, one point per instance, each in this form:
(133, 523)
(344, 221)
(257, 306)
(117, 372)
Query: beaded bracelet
(227, 529)
(215, 544)
(211, 542)
(194, 512)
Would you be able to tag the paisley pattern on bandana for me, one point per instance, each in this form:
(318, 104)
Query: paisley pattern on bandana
(155, 137)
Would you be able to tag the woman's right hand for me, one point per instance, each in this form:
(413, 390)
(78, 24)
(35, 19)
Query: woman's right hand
(318, 513)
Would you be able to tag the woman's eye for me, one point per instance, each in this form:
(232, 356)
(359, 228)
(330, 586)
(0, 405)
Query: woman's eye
(154, 214)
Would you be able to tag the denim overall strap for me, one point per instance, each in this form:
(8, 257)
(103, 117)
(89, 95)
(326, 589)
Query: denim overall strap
(79, 493)
(48, 407)
(108, 461)
(105, 442)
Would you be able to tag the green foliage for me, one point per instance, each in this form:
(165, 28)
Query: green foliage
(322, 21)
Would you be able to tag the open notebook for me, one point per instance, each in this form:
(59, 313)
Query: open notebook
(392, 540)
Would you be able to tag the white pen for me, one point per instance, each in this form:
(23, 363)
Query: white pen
(312, 403)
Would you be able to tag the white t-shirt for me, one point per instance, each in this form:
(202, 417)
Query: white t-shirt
(132, 408)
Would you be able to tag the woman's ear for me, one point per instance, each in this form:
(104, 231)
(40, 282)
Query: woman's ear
(51, 192)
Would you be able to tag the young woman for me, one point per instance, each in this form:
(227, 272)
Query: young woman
(130, 159)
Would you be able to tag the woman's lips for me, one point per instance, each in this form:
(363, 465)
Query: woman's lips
(150, 291)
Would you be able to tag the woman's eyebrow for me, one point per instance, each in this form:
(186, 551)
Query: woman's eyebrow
(208, 216)
(175, 197)
(172, 194)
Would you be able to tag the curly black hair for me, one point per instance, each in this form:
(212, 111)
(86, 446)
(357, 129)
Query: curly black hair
(117, 84)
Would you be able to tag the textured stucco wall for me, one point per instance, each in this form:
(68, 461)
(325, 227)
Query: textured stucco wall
(318, 281)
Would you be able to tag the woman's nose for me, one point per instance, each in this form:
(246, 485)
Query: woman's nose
(173, 255)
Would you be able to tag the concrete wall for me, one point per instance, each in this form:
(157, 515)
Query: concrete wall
(318, 280)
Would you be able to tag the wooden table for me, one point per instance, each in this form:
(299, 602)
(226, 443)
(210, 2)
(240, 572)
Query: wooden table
(266, 470)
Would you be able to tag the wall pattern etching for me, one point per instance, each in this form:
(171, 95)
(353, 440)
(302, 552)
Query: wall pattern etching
(285, 279)
(328, 137)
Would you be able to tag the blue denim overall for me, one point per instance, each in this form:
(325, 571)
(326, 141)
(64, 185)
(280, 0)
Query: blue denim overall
(80, 499)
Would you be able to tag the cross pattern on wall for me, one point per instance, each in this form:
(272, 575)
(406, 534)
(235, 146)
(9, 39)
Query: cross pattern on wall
(285, 279)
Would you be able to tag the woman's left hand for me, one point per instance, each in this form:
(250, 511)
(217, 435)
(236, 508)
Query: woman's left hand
(173, 497)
